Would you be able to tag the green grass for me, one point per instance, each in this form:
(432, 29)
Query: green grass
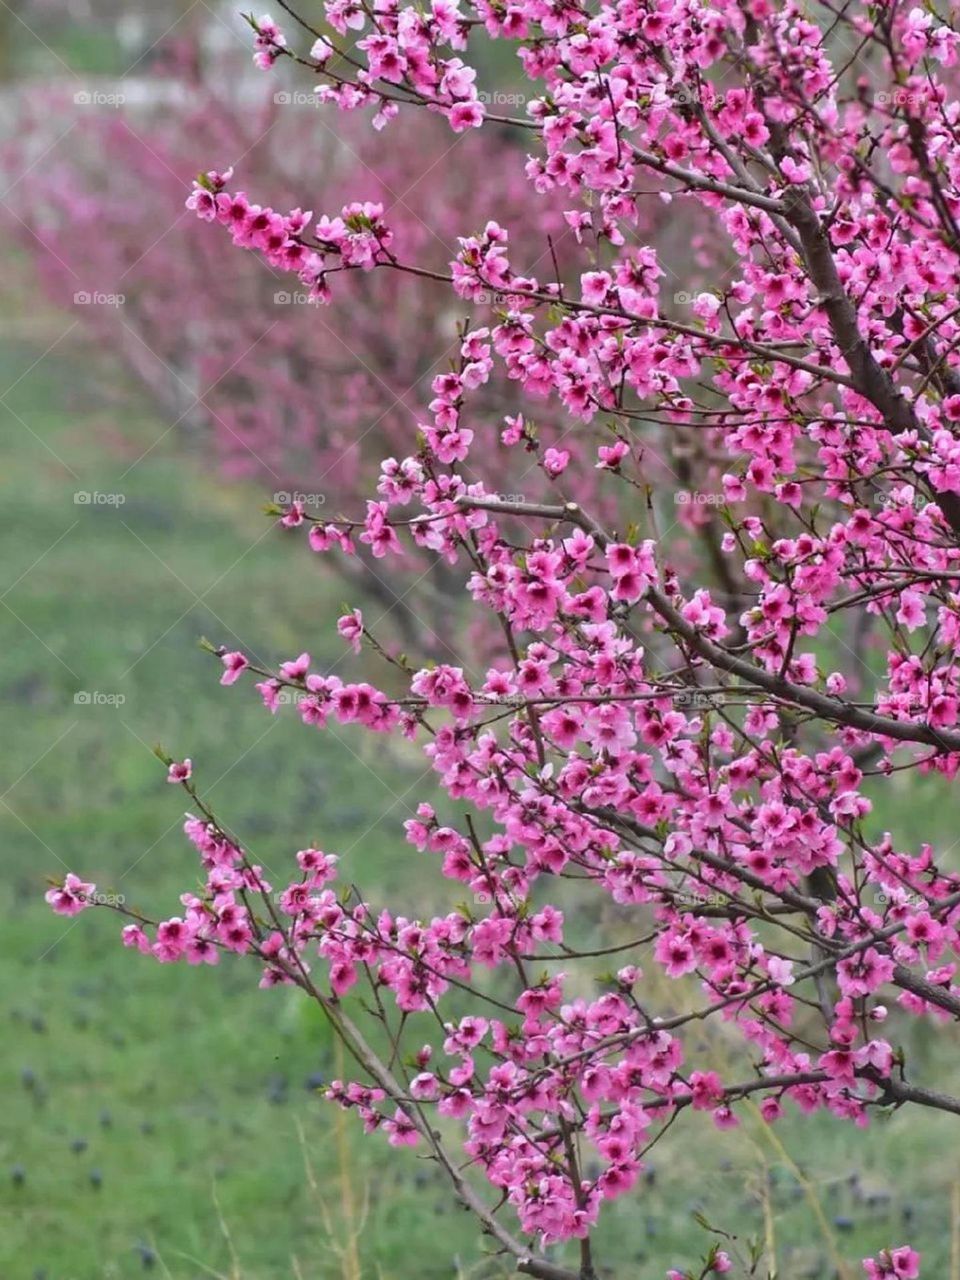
(155, 1111)
(178, 1081)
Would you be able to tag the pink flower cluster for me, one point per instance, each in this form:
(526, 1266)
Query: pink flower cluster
(398, 51)
(893, 1264)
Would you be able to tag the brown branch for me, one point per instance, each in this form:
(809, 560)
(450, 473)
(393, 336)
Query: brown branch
(827, 708)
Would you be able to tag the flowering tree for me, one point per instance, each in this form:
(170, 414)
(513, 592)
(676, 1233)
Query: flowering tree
(685, 727)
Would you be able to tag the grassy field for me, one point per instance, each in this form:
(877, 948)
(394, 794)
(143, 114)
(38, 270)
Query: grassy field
(140, 1096)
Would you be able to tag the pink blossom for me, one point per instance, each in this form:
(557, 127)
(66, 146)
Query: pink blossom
(893, 1264)
(466, 115)
(180, 771)
(555, 461)
(350, 626)
(234, 666)
(72, 897)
